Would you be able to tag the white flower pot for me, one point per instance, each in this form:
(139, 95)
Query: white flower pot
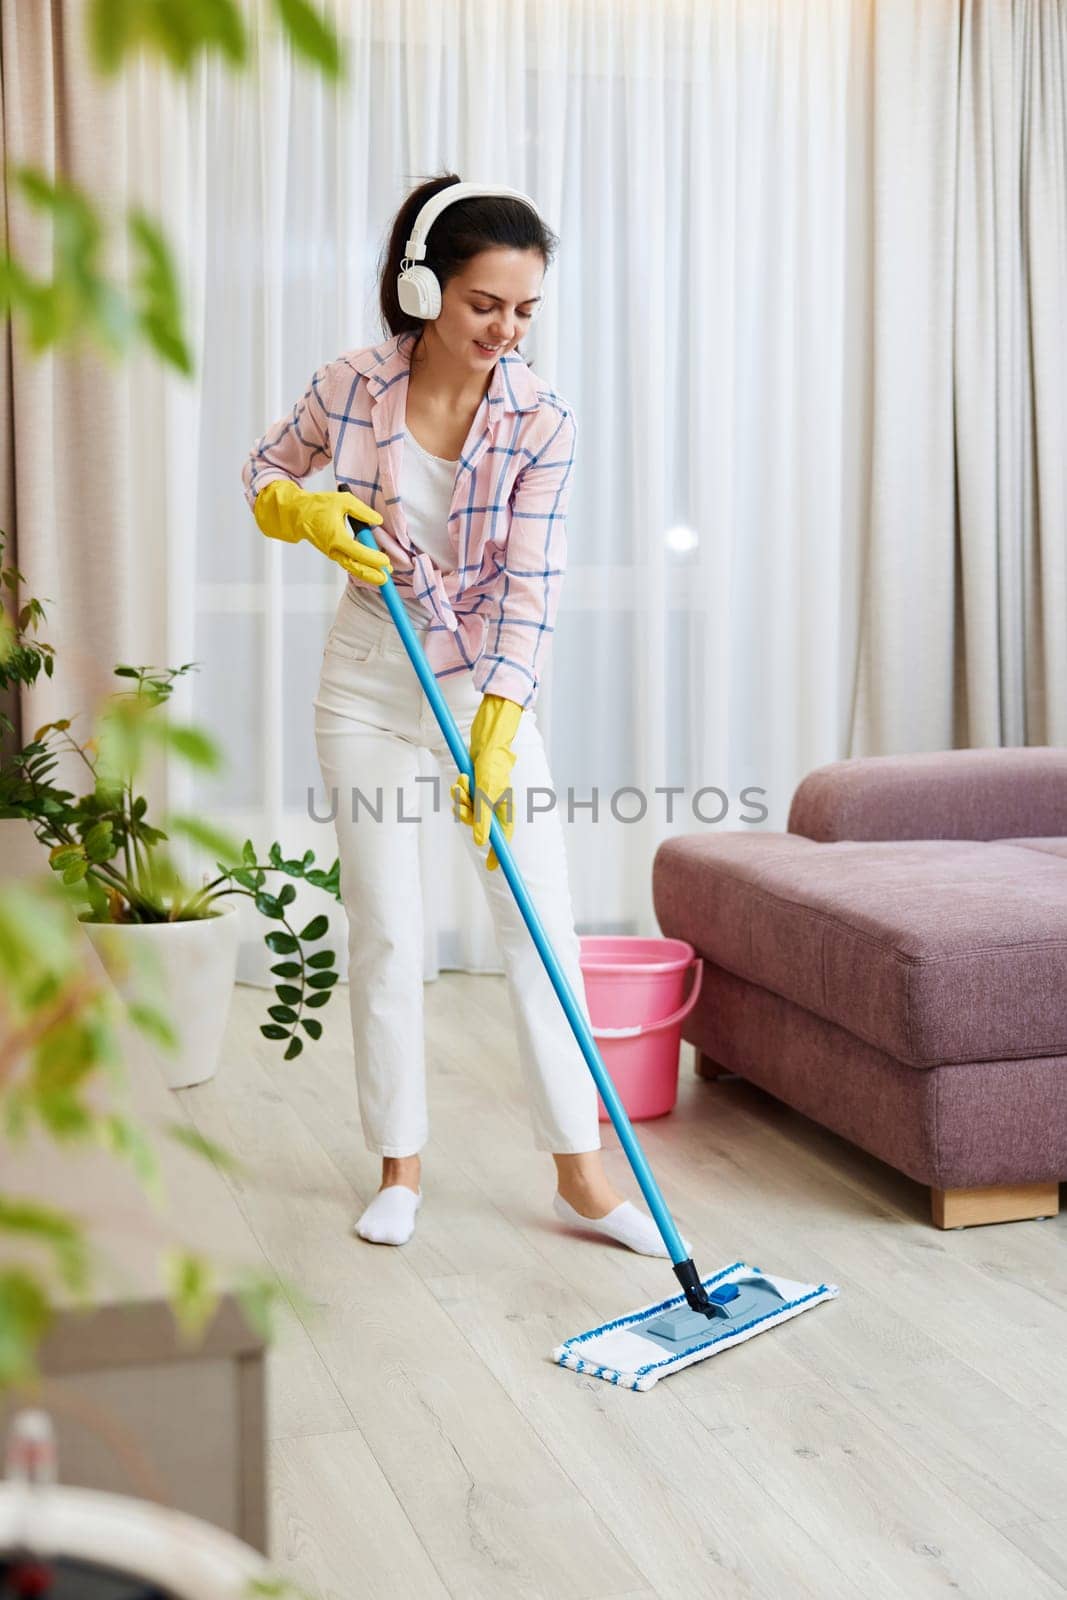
(194, 965)
(132, 1540)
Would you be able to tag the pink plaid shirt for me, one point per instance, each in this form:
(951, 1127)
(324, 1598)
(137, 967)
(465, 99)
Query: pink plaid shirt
(494, 615)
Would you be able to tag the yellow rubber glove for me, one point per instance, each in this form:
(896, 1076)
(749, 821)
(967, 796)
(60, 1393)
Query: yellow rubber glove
(495, 723)
(285, 511)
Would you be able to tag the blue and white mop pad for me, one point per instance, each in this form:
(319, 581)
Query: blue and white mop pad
(637, 1350)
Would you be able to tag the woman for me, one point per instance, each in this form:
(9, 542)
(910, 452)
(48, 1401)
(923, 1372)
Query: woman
(460, 458)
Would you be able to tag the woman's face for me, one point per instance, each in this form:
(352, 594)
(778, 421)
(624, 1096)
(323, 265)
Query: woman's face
(486, 308)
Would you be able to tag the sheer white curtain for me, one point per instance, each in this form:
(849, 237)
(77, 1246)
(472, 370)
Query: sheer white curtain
(752, 313)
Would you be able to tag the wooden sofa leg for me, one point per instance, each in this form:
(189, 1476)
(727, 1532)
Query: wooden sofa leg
(1009, 1202)
(707, 1068)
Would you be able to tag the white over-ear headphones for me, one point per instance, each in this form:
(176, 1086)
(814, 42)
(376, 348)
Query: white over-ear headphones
(417, 286)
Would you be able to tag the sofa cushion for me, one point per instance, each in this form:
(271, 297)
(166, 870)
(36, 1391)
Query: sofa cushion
(936, 951)
(992, 793)
(1051, 847)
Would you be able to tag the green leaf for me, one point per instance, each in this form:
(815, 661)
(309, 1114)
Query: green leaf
(313, 1026)
(321, 958)
(77, 301)
(283, 944)
(269, 905)
(322, 980)
(62, 1234)
(214, 841)
(177, 30)
(41, 1222)
(24, 1318)
(327, 880)
(182, 1133)
(289, 993)
(120, 736)
(316, 927)
(271, 1030)
(281, 1013)
(66, 1054)
(99, 842)
(157, 298)
(258, 1296)
(248, 853)
(286, 894)
(193, 744)
(311, 36)
(65, 855)
(125, 1139)
(287, 969)
(62, 1114)
(155, 1023)
(98, 900)
(193, 1296)
(320, 999)
(276, 1588)
(296, 1044)
(35, 933)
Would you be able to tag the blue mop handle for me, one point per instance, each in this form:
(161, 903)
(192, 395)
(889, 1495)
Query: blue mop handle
(461, 756)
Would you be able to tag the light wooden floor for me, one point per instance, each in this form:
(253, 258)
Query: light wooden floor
(908, 1439)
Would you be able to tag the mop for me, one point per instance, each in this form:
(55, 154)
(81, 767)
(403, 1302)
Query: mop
(711, 1314)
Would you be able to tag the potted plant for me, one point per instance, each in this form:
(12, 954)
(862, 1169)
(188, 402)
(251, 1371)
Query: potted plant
(151, 928)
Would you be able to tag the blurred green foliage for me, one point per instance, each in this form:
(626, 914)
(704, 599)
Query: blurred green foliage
(76, 305)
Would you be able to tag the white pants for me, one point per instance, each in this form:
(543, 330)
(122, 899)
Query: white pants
(371, 717)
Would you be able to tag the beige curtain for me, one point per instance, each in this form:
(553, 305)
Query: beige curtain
(963, 635)
(74, 429)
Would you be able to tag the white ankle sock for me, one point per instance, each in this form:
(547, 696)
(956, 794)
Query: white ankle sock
(626, 1224)
(390, 1217)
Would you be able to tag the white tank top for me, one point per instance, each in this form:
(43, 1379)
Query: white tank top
(426, 491)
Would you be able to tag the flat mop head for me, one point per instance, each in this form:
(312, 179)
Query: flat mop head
(637, 1350)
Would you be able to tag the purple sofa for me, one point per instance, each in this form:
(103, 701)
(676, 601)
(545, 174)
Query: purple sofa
(895, 966)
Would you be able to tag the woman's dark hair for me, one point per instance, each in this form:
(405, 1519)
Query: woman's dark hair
(461, 231)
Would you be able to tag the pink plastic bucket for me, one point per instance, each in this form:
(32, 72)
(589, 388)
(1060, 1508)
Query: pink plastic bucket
(634, 989)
